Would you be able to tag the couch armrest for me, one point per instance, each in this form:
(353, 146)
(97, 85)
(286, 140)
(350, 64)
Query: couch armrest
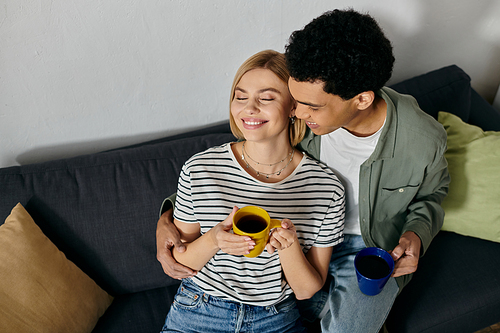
(482, 114)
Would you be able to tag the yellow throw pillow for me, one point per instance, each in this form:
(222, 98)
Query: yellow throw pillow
(40, 289)
(472, 207)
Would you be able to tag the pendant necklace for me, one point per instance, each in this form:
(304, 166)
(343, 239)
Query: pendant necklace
(243, 153)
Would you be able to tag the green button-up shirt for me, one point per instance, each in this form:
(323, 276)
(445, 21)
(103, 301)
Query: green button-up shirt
(404, 181)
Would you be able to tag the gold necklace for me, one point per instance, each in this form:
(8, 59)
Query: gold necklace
(250, 157)
(263, 173)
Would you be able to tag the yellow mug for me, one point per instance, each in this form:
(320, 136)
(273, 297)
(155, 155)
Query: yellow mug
(256, 223)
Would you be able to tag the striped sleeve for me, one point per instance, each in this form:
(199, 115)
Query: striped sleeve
(332, 229)
(184, 210)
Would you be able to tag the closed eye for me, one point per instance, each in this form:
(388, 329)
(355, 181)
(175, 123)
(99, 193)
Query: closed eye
(310, 106)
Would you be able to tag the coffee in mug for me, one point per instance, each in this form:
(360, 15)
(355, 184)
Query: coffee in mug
(373, 267)
(251, 224)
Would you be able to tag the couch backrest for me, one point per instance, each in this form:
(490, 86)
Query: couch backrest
(101, 210)
(449, 89)
(446, 89)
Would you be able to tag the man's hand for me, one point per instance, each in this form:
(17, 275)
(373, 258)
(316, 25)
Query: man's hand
(282, 238)
(167, 237)
(406, 254)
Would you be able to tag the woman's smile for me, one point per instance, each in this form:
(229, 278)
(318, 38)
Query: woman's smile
(252, 123)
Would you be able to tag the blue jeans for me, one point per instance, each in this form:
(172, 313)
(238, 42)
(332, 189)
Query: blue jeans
(195, 311)
(349, 309)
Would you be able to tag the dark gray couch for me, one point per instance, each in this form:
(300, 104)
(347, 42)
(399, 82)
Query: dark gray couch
(101, 211)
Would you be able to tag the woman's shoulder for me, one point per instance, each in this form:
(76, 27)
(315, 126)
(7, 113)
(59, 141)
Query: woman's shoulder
(212, 153)
(319, 170)
(314, 164)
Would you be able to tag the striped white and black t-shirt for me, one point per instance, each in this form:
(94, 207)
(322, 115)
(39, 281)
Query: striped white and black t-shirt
(212, 182)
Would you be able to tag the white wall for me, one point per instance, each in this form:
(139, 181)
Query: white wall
(83, 76)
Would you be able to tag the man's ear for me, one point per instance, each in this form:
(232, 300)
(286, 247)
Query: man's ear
(365, 99)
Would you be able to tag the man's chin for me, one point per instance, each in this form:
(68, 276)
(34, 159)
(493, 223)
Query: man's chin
(318, 131)
(315, 128)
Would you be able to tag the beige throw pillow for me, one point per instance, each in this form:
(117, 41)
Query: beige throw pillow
(40, 289)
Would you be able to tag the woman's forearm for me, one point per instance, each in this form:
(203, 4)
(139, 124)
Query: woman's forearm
(198, 252)
(199, 249)
(304, 279)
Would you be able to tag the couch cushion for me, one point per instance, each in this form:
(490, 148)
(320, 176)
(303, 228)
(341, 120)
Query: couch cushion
(147, 308)
(445, 89)
(456, 288)
(101, 210)
(472, 206)
(40, 289)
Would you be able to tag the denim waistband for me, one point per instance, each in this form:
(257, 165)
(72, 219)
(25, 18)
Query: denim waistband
(188, 283)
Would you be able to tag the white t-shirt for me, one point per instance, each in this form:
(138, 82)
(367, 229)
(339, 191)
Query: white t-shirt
(344, 153)
(212, 182)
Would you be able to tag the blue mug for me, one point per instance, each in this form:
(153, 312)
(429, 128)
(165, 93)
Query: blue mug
(374, 267)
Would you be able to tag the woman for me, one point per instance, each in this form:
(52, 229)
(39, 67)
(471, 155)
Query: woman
(232, 292)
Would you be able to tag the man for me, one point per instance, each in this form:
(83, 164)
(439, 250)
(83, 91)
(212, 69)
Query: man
(388, 153)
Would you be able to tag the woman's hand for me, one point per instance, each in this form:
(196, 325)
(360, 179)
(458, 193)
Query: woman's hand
(229, 242)
(282, 238)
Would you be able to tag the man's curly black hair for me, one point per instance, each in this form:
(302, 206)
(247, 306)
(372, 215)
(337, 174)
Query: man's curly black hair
(343, 48)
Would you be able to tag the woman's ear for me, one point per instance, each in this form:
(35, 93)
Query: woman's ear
(365, 99)
(294, 106)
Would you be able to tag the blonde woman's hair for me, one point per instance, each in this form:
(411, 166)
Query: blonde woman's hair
(275, 62)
